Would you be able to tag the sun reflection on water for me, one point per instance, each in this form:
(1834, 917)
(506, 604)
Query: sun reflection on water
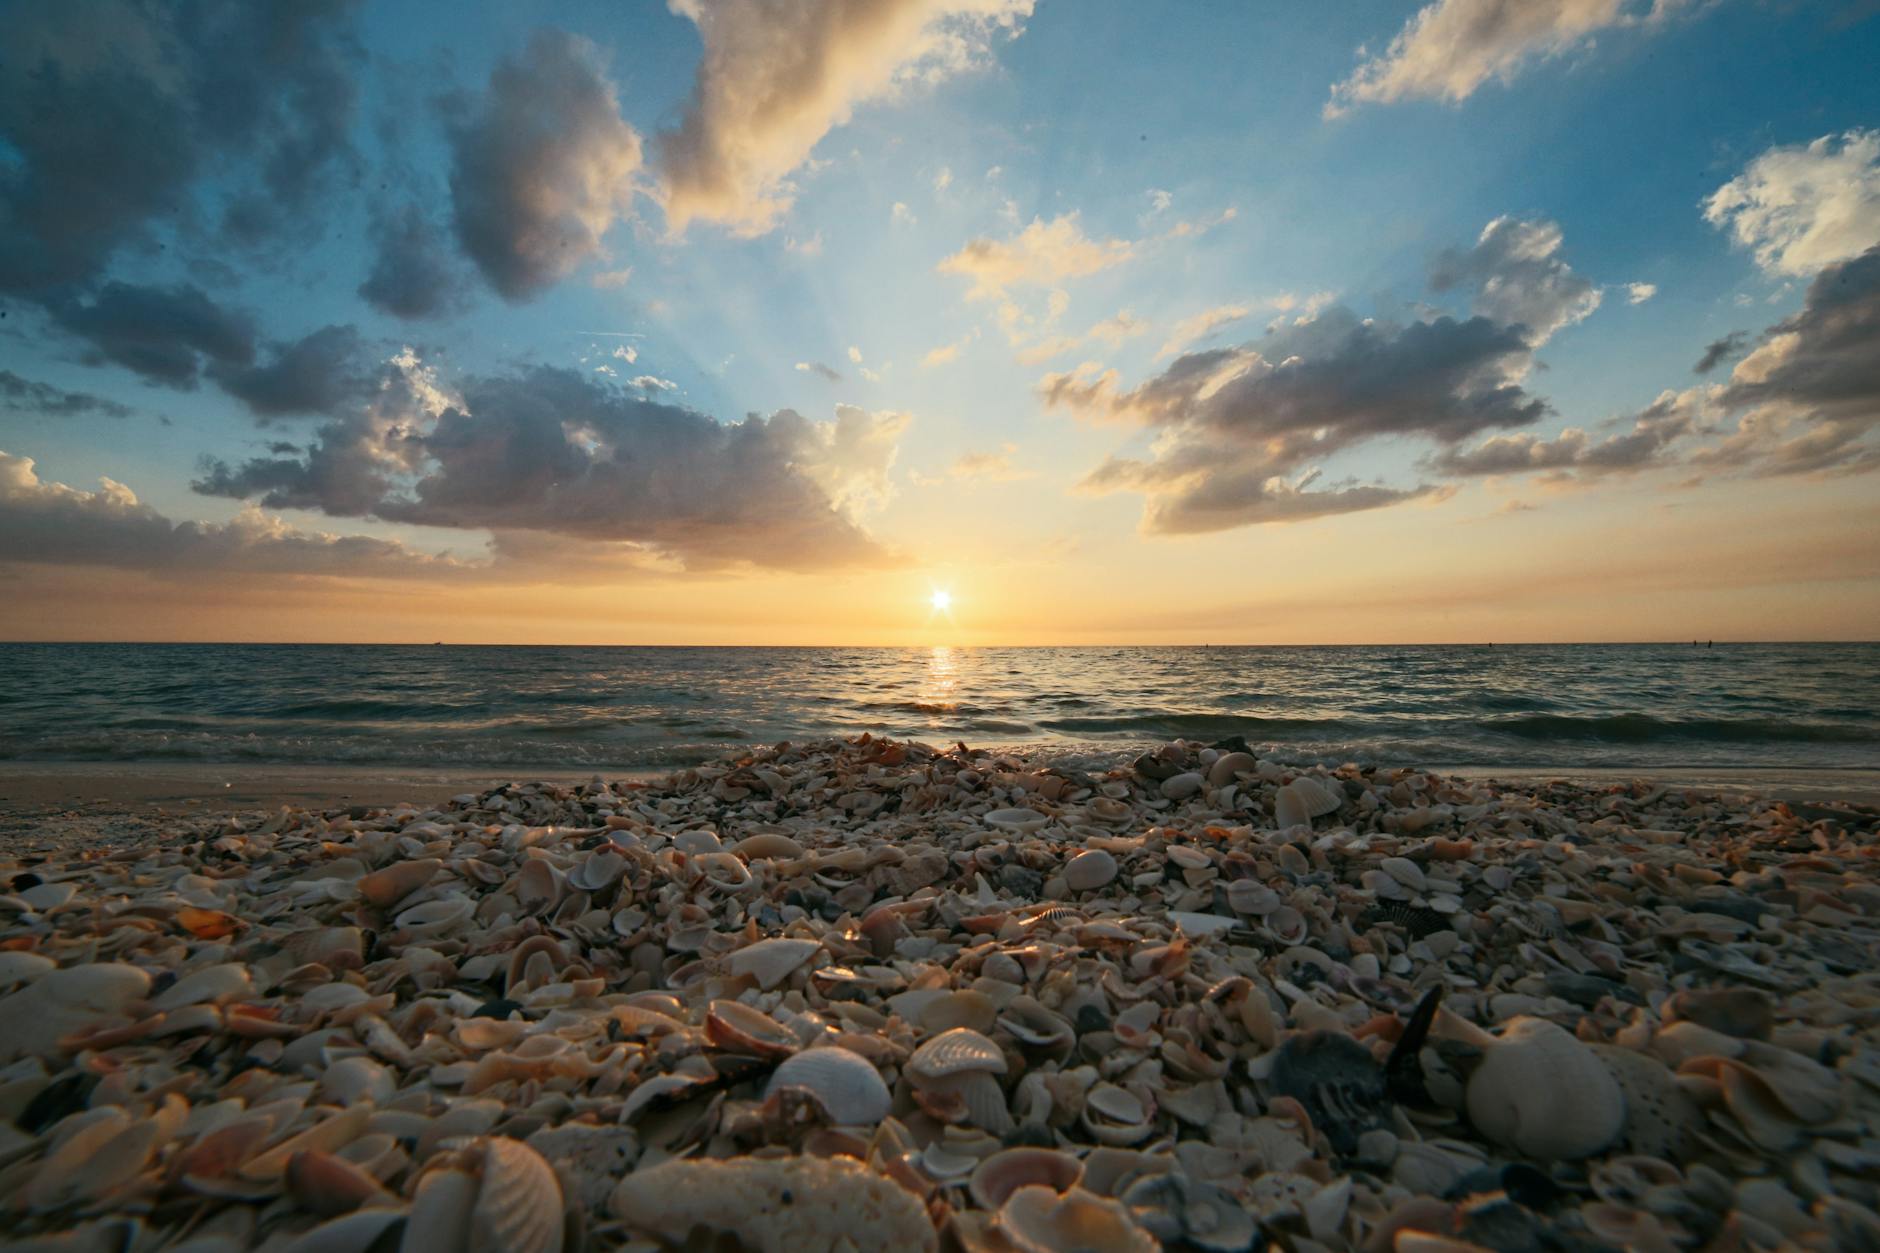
(940, 681)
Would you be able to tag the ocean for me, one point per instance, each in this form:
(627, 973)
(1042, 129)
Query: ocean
(1741, 712)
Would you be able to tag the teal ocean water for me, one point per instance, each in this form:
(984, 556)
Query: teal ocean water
(1648, 708)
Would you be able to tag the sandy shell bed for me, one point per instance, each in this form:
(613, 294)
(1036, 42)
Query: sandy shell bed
(874, 995)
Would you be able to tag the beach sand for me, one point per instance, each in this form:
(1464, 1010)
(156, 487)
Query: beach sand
(849, 989)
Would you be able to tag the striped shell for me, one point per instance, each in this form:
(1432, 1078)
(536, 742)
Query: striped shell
(847, 1087)
(954, 1052)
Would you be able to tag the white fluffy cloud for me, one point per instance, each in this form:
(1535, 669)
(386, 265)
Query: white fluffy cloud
(1041, 254)
(777, 77)
(1804, 206)
(1452, 47)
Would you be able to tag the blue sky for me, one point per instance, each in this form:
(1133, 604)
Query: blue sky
(1168, 162)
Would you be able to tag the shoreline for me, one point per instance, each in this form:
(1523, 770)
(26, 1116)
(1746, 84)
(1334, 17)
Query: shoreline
(874, 978)
(154, 791)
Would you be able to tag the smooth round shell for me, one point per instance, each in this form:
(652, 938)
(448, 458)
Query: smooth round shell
(849, 1089)
(1541, 1092)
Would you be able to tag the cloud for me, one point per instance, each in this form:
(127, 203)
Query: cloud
(319, 373)
(1720, 350)
(1451, 47)
(1159, 200)
(989, 467)
(1802, 207)
(1810, 391)
(1669, 418)
(1201, 325)
(652, 383)
(1519, 278)
(411, 272)
(774, 79)
(1042, 254)
(902, 215)
(1639, 293)
(820, 370)
(166, 334)
(943, 179)
(1241, 431)
(112, 111)
(18, 395)
(947, 353)
(51, 524)
(542, 167)
(560, 453)
(1111, 332)
(855, 354)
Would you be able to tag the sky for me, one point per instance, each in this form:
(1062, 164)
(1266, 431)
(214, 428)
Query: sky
(767, 321)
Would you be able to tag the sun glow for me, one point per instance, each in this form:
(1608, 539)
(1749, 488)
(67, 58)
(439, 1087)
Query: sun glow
(942, 601)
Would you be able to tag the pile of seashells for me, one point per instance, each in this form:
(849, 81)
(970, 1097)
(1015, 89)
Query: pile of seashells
(874, 994)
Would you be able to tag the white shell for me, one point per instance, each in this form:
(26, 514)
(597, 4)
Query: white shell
(1540, 1091)
(848, 1088)
(770, 962)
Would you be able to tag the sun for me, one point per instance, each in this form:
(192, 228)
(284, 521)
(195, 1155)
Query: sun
(942, 601)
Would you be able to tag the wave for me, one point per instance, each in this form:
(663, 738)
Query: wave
(1643, 729)
(1169, 725)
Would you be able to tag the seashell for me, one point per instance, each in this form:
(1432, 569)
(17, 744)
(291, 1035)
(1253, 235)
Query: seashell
(736, 1026)
(767, 846)
(996, 1177)
(1406, 872)
(1023, 820)
(1089, 870)
(327, 1185)
(1302, 800)
(1190, 1213)
(848, 1088)
(353, 1079)
(1746, 1013)
(1038, 1219)
(435, 917)
(336, 948)
(1661, 1119)
(958, 1009)
(1179, 787)
(597, 871)
(1806, 1089)
(1228, 766)
(697, 841)
(65, 1001)
(770, 962)
(18, 967)
(1030, 1023)
(494, 1194)
(1250, 896)
(772, 1205)
(1114, 1103)
(1286, 924)
(1109, 810)
(207, 924)
(539, 886)
(959, 1051)
(1338, 1082)
(587, 1159)
(210, 984)
(1541, 1092)
(724, 871)
(364, 1229)
(387, 887)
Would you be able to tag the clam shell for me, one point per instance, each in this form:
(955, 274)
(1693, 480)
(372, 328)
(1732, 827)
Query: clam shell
(1005, 1172)
(962, 1008)
(1038, 1219)
(767, 846)
(848, 1088)
(1541, 1092)
(598, 870)
(1017, 819)
(1228, 766)
(539, 886)
(736, 1026)
(61, 1002)
(1286, 924)
(207, 985)
(1089, 870)
(438, 917)
(395, 882)
(954, 1052)
(770, 962)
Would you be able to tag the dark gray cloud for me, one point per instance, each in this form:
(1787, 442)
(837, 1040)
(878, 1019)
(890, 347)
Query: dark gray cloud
(555, 452)
(1518, 278)
(169, 335)
(19, 395)
(1242, 428)
(49, 523)
(1719, 351)
(320, 373)
(411, 276)
(115, 109)
(541, 167)
(1646, 445)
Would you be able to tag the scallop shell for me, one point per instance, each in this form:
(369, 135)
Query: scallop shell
(770, 962)
(995, 1178)
(1037, 1219)
(954, 1052)
(736, 1026)
(843, 1082)
(1541, 1092)
(395, 882)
